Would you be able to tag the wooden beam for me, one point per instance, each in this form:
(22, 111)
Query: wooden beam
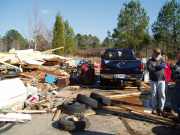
(32, 111)
(89, 112)
(124, 95)
(15, 117)
(10, 65)
(124, 109)
(51, 50)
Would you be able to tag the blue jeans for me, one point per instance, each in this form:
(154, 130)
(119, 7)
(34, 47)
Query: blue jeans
(158, 94)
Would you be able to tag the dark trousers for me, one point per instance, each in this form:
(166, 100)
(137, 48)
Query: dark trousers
(177, 98)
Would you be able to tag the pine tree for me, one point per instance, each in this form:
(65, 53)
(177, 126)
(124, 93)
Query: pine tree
(70, 43)
(108, 41)
(58, 35)
(132, 25)
(13, 39)
(166, 29)
(87, 41)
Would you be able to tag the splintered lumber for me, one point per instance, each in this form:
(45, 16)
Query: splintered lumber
(146, 85)
(124, 95)
(50, 70)
(130, 110)
(56, 114)
(72, 88)
(143, 85)
(26, 75)
(15, 117)
(130, 87)
(89, 112)
(32, 111)
(10, 65)
(51, 50)
(114, 109)
(55, 71)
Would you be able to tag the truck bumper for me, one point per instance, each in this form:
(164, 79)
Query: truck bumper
(130, 77)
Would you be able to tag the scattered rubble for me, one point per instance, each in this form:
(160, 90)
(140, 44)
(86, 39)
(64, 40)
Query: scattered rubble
(36, 82)
(31, 81)
(39, 83)
(76, 111)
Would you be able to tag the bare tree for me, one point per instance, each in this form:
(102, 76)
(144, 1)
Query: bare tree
(37, 28)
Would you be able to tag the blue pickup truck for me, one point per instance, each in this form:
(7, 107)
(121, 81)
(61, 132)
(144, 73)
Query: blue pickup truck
(121, 65)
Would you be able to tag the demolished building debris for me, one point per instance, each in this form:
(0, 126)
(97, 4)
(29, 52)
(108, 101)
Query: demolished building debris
(36, 82)
(26, 80)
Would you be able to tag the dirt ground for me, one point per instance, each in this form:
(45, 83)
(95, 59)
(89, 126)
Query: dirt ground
(103, 123)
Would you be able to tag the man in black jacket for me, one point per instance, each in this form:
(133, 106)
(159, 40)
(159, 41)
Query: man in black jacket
(176, 77)
(156, 66)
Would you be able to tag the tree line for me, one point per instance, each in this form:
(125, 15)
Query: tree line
(132, 31)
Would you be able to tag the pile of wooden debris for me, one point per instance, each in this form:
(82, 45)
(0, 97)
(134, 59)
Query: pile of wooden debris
(39, 77)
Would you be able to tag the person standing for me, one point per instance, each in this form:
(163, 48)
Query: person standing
(176, 77)
(156, 66)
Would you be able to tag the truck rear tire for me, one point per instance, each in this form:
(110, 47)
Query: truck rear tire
(104, 82)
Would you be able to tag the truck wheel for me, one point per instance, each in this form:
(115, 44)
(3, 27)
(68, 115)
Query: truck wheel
(88, 101)
(104, 82)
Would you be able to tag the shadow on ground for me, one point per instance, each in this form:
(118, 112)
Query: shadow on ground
(89, 133)
(134, 116)
(96, 85)
(5, 126)
(86, 132)
(165, 130)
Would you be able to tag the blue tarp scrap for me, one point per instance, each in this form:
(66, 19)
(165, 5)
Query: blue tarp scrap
(51, 79)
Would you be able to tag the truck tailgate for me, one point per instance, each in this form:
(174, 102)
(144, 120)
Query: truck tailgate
(121, 66)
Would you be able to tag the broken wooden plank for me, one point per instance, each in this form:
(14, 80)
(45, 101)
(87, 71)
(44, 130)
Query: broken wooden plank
(26, 75)
(32, 111)
(145, 85)
(89, 112)
(114, 109)
(51, 50)
(124, 109)
(130, 87)
(10, 65)
(15, 117)
(56, 114)
(124, 95)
